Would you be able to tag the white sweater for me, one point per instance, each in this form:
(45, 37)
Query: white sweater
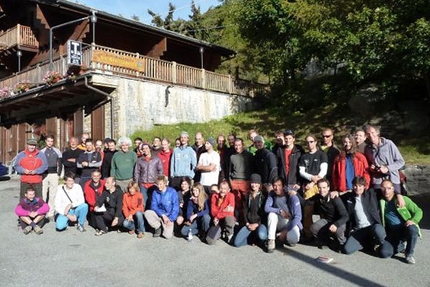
(61, 200)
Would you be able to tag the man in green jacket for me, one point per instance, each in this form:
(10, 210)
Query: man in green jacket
(401, 223)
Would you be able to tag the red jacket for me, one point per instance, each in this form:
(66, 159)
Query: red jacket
(165, 160)
(91, 194)
(35, 161)
(218, 205)
(361, 168)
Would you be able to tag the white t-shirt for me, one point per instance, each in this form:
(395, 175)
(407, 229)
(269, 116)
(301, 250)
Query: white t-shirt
(210, 177)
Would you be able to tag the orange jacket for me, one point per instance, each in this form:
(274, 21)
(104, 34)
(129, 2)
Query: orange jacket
(132, 203)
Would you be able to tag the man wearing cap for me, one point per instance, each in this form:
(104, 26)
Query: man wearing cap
(209, 165)
(287, 156)
(31, 164)
(264, 163)
(255, 216)
(183, 161)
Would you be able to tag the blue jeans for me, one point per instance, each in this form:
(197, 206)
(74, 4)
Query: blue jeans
(144, 192)
(395, 239)
(199, 224)
(373, 234)
(242, 236)
(80, 211)
(131, 225)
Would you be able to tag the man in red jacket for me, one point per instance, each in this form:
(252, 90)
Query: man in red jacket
(31, 164)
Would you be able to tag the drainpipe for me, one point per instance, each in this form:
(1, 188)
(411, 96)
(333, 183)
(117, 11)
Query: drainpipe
(110, 101)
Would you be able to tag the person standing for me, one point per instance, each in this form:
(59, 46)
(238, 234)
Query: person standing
(384, 160)
(360, 140)
(165, 156)
(146, 170)
(88, 161)
(123, 162)
(70, 158)
(107, 158)
(50, 177)
(264, 163)
(209, 165)
(329, 147)
(241, 166)
(31, 164)
(199, 148)
(183, 162)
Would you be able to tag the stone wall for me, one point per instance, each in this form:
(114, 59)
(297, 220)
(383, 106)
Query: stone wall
(418, 179)
(142, 104)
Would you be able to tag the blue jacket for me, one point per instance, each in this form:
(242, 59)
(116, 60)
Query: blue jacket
(293, 205)
(193, 208)
(165, 203)
(183, 162)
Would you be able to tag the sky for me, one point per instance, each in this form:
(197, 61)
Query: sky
(128, 8)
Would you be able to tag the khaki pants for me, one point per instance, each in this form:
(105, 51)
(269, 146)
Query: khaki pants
(49, 191)
(156, 222)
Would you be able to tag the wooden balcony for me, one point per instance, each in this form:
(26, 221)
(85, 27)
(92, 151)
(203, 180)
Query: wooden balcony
(20, 37)
(109, 61)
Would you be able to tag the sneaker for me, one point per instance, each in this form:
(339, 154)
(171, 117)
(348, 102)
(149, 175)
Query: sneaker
(410, 259)
(140, 235)
(27, 230)
(157, 232)
(81, 228)
(38, 230)
(100, 233)
(131, 232)
(271, 245)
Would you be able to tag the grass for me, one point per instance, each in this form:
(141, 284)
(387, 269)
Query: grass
(414, 151)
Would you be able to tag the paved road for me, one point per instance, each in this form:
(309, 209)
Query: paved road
(81, 259)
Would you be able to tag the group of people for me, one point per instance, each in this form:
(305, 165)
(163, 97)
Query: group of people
(262, 194)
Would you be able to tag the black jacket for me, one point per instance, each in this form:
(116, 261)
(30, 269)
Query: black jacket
(293, 175)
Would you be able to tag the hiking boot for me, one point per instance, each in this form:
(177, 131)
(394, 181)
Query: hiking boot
(81, 228)
(140, 235)
(410, 259)
(27, 230)
(157, 232)
(38, 230)
(271, 245)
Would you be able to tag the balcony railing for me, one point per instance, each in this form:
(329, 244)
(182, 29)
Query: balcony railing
(21, 36)
(105, 60)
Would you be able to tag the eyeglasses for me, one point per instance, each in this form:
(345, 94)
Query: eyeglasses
(327, 136)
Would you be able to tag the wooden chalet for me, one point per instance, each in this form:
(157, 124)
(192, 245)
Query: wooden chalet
(41, 93)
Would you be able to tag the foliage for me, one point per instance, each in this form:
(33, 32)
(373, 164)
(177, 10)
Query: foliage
(52, 77)
(22, 87)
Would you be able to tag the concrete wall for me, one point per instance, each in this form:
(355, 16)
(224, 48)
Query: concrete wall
(142, 104)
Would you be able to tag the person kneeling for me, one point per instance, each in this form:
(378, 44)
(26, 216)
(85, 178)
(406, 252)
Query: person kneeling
(31, 211)
(164, 209)
(255, 217)
(285, 215)
(132, 208)
(198, 218)
(70, 204)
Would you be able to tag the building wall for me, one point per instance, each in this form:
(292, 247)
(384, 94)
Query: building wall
(143, 104)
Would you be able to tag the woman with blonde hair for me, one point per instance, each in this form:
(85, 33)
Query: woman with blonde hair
(133, 208)
(198, 218)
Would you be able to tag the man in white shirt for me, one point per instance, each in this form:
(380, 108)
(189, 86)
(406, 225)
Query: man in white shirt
(70, 204)
(209, 165)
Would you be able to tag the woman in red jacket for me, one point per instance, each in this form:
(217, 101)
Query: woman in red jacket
(349, 164)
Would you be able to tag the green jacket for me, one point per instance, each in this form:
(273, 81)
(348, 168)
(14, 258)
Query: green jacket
(411, 211)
